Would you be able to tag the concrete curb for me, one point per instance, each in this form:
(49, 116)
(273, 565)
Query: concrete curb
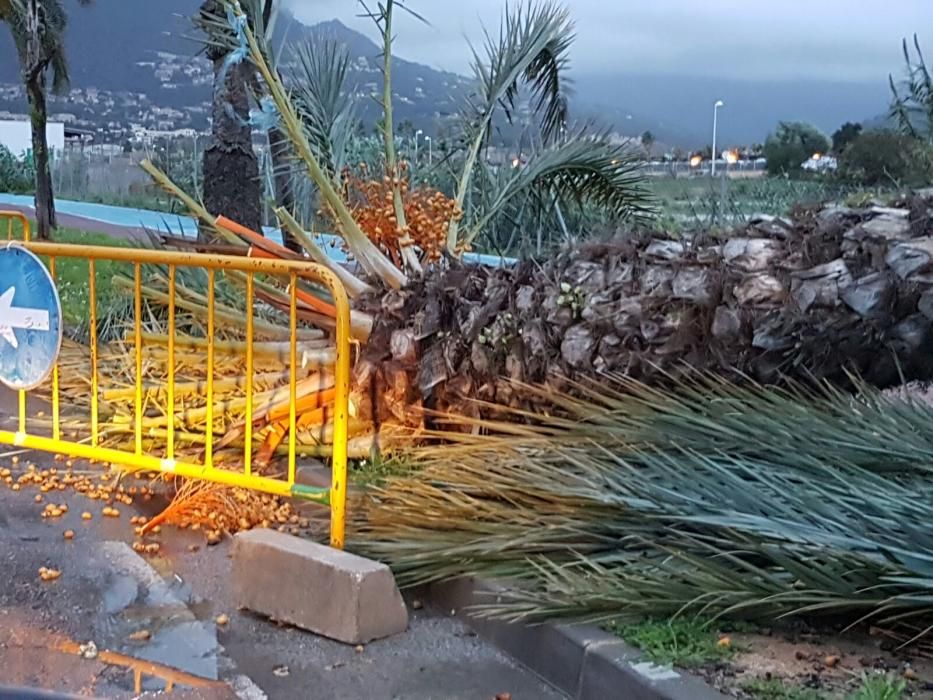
(583, 661)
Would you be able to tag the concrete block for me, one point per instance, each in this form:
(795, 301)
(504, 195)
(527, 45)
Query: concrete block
(329, 592)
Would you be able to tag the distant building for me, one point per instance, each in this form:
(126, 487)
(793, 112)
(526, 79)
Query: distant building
(820, 163)
(16, 135)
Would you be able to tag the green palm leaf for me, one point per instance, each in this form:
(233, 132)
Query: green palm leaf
(583, 170)
(705, 498)
(531, 49)
(320, 96)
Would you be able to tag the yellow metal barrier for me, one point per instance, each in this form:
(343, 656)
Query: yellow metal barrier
(335, 496)
(11, 218)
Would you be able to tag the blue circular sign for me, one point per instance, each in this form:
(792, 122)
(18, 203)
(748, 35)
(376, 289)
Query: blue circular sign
(30, 319)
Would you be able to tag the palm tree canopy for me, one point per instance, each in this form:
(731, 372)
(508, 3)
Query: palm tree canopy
(52, 22)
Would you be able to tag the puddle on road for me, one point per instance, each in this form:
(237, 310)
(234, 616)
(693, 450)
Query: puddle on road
(182, 635)
(134, 594)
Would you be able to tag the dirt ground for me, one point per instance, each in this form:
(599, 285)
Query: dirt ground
(830, 665)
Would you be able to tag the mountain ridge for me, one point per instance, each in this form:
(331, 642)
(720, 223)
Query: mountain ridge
(149, 73)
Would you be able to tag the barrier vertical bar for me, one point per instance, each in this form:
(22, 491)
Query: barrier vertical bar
(56, 399)
(138, 342)
(170, 387)
(338, 489)
(92, 294)
(209, 442)
(22, 412)
(248, 434)
(293, 373)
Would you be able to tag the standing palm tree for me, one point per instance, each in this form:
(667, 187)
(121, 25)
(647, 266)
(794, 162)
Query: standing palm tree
(38, 28)
(231, 168)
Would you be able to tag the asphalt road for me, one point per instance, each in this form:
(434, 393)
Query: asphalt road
(107, 594)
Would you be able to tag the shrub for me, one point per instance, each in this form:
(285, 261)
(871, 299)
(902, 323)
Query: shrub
(844, 135)
(791, 145)
(887, 157)
(17, 177)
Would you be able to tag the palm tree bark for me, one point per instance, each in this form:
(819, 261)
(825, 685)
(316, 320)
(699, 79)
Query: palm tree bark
(232, 187)
(829, 294)
(231, 169)
(34, 73)
(38, 115)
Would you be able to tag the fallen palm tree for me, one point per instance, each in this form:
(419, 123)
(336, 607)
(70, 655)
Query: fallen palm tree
(826, 293)
(711, 499)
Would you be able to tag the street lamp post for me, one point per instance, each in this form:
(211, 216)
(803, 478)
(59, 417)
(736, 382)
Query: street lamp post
(430, 150)
(719, 103)
(417, 134)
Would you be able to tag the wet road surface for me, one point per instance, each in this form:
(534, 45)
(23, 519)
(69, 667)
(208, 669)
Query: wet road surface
(163, 608)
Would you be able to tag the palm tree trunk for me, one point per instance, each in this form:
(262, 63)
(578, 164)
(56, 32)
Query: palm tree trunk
(38, 115)
(231, 169)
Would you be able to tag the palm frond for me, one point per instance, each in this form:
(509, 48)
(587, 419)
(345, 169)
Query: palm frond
(582, 169)
(366, 253)
(219, 38)
(531, 49)
(320, 94)
(912, 102)
(706, 498)
(52, 22)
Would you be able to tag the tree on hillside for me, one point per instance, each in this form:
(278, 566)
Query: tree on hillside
(844, 135)
(38, 29)
(647, 142)
(791, 145)
(231, 168)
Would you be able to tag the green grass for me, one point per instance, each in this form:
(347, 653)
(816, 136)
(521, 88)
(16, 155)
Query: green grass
(376, 470)
(875, 686)
(686, 643)
(691, 643)
(776, 689)
(878, 686)
(702, 202)
(71, 274)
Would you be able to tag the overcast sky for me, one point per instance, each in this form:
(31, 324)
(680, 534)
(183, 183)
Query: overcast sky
(820, 39)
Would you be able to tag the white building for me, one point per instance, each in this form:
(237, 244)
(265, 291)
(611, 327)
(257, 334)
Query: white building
(17, 136)
(820, 163)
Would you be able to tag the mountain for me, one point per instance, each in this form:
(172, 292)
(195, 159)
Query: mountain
(136, 64)
(423, 95)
